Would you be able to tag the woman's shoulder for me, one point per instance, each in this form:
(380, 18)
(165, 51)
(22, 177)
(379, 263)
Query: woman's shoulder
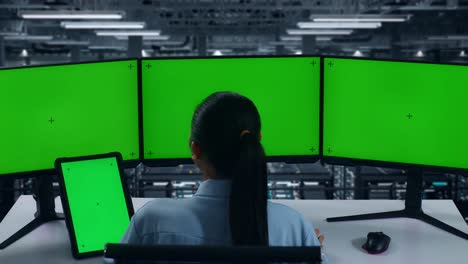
(287, 226)
(284, 215)
(161, 207)
(277, 208)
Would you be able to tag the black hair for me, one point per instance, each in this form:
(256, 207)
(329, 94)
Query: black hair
(227, 127)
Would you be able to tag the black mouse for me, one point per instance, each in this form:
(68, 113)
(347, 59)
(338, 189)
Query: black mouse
(377, 242)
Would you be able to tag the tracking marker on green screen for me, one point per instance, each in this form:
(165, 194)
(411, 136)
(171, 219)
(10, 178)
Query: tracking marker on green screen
(396, 112)
(67, 110)
(96, 203)
(64, 111)
(286, 92)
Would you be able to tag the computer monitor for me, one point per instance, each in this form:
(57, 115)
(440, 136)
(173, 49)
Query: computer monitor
(395, 113)
(67, 110)
(286, 91)
(400, 114)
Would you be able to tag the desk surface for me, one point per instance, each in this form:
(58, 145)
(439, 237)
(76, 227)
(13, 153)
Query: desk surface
(412, 241)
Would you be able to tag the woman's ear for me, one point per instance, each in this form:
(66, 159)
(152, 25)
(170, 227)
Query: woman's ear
(196, 151)
(260, 136)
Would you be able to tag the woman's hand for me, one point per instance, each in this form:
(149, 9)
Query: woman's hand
(320, 236)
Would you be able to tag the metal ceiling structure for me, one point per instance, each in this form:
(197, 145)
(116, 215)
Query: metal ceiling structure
(437, 29)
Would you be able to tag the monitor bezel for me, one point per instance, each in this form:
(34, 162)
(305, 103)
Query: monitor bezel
(179, 161)
(347, 161)
(52, 172)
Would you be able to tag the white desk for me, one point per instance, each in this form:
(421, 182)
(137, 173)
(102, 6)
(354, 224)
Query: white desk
(412, 241)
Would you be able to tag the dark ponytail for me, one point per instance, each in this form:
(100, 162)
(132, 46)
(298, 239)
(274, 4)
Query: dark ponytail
(249, 195)
(227, 128)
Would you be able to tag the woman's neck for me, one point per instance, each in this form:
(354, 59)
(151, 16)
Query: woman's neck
(209, 173)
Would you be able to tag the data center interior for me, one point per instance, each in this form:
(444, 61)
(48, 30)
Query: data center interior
(424, 31)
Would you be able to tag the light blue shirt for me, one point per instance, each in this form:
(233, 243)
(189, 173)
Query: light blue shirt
(204, 220)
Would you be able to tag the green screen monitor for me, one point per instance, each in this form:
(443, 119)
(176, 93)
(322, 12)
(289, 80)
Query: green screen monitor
(286, 91)
(395, 113)
(96, 202)
(66, 111)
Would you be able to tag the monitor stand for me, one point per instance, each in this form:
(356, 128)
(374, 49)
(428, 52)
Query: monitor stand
(45, 209)
(412, 209)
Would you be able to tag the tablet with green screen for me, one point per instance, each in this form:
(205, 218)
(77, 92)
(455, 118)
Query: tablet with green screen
(286, 91)
(95, 201)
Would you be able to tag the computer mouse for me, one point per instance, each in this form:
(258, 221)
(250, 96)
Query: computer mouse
(377, 242)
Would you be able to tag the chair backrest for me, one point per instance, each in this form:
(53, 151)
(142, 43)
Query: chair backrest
(123, 253)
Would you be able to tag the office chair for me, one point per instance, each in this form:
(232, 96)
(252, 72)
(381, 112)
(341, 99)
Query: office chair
(125, 253)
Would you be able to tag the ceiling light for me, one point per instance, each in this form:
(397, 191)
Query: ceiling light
(160, 37)
(293, 39)
(105, 48)
(102, 25)
(128, 33)
(448, 38)
(266, 49)
(323, 38)
(283, 43)
(24, 53)
(71, 15)
(418, 7)
(29, 38)
(420, 53)
(318, 32)
(325, 25)
(5, 33)
(67, 43)
(181, 49)
(163, 43)
(441, 38)
(290, 38)
(221, 50)
(360, 18)
(145, 53)
(358, 53)
(457, 37)
(24, 6)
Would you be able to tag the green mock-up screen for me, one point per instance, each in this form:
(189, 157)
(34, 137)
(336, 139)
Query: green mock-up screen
(396, 112)
(97, 203)
(285, 91)
(65, 111)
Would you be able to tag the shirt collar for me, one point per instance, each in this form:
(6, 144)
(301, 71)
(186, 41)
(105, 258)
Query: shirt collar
(214, 188)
